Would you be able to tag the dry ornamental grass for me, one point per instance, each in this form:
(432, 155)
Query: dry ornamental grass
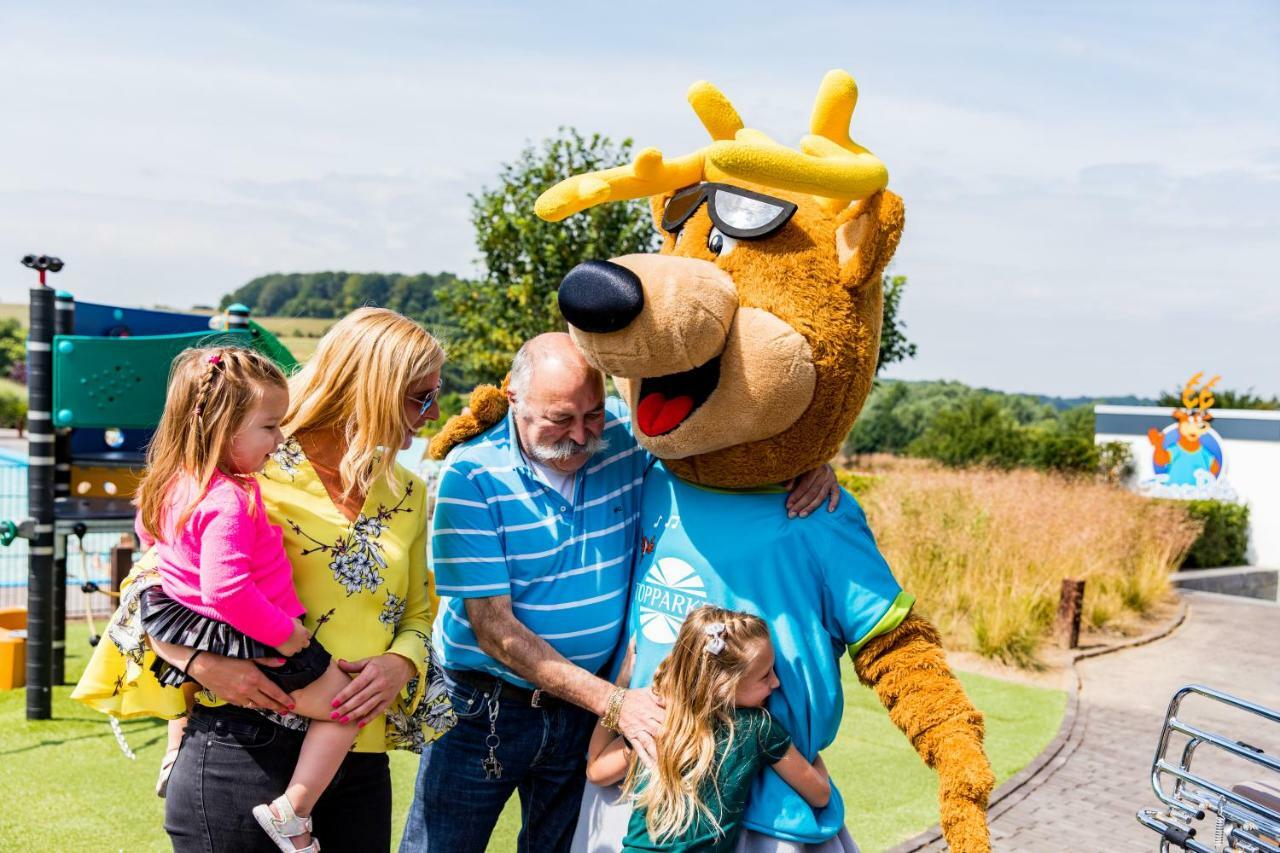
(985, 551)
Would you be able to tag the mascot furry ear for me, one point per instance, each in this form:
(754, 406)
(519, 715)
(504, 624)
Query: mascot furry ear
(745, 349)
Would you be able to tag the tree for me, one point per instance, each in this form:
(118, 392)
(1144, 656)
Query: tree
(894, 346)
(13, 345)
(525, 258)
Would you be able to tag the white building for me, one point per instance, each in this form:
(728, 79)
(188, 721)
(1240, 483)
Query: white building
(1244, 443)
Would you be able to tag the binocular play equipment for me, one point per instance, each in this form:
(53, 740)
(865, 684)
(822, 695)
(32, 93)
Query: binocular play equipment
(96, 382)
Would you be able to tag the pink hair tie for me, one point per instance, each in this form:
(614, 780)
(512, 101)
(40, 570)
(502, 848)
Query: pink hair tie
(215, 359)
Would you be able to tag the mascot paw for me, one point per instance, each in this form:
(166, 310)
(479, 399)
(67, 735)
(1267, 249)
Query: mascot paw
(487, 406)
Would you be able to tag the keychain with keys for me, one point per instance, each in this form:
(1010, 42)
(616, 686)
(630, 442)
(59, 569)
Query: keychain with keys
(492, 766)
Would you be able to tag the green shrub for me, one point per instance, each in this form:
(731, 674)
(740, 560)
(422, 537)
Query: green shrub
(977, 430)
(13, 410)
(1054, 450)
(1225, 536)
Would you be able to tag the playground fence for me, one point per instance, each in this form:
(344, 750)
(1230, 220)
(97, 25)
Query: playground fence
(91, 564)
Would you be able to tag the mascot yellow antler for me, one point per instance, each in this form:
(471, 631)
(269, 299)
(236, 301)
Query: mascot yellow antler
(830, 165)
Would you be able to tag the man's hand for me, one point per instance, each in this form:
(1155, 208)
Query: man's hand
(811, 489)
(378, 680)
(240, 682)
(641, 720)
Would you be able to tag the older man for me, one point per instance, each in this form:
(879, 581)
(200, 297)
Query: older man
(533, 539)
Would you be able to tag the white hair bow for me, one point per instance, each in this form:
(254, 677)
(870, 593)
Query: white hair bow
(715, 638)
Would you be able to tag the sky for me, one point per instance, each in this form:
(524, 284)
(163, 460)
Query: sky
(1092, 189)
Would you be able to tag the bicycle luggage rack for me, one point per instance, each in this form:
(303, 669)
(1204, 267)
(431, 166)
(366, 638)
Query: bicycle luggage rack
(1246, 815)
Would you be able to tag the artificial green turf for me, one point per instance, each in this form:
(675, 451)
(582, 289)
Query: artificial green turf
(64, 784)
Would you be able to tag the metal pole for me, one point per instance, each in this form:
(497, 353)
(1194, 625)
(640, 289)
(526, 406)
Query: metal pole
(40, 477)
(63, 324)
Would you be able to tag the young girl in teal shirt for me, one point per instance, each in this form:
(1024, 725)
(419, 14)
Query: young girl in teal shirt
(717, 737)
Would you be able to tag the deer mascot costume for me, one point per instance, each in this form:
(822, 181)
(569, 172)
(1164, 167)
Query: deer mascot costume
(745, 348)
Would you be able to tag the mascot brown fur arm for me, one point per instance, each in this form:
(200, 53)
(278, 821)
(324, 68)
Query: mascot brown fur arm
(487, 406)
(908, 670)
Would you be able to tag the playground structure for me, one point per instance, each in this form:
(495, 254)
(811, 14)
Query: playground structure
(97, 376)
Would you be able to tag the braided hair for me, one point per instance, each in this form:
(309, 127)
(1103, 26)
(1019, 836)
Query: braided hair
(211, 391)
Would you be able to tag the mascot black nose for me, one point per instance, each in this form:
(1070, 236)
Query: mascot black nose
(601, 296)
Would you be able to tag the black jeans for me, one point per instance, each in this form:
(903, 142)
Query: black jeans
(232, 759)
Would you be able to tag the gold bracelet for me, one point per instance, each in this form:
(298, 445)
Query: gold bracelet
(613, 709)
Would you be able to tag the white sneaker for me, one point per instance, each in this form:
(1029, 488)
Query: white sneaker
(287, 825)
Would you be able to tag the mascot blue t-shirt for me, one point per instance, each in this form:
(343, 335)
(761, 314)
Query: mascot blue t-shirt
(819, 582)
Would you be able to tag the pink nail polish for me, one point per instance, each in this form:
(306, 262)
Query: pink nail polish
(362, 722)
(346, 719)
(292, 706)
(334, 715)
(335, 703)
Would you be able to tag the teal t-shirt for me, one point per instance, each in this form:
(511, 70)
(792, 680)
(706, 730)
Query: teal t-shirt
(819, 582)
(758, 741)
(1185, 463)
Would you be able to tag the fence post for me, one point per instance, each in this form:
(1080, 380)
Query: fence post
(1070, 605)
(40, 475)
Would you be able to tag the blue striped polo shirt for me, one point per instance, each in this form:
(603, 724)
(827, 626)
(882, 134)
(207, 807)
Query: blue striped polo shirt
(499, 530)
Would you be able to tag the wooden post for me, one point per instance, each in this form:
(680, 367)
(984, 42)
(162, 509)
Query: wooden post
(121, 563)
(1070, 605)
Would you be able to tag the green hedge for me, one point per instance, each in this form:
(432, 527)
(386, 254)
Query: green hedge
(1225, 536)
(13, 410)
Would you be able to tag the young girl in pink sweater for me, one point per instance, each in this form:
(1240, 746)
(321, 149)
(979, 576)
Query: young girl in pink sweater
(226, 586)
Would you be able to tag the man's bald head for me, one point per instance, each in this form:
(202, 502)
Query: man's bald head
(558, 402)
(550, 358)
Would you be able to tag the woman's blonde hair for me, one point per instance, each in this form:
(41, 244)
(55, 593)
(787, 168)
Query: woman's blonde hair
(211, 392)
(356, 384)
(697, 682)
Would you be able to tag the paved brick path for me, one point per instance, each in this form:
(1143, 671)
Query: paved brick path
(1085, 799)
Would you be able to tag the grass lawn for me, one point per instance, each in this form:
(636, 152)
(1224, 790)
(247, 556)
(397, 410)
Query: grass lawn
(65, 784)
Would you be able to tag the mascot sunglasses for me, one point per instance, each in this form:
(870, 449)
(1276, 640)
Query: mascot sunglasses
(739, 213)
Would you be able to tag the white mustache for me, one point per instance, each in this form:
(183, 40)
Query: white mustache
(566, 448)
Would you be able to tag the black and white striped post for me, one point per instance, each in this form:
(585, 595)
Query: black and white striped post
(40, 491)
(64, 315)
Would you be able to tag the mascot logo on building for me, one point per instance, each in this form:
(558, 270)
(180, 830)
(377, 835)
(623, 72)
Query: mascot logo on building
(1187, 458)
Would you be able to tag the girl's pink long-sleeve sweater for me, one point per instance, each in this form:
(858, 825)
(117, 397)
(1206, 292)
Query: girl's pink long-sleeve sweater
(227, 562)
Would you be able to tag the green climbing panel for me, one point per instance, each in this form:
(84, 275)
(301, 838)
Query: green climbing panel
(121, 382)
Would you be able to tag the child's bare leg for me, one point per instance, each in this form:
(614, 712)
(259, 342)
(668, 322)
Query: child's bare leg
(325, 746)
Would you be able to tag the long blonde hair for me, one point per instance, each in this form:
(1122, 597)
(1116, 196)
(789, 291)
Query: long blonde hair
(698, 689)
(356, 384)
(211, 392)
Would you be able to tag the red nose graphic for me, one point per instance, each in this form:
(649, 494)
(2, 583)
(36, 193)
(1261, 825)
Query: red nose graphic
(657, 415)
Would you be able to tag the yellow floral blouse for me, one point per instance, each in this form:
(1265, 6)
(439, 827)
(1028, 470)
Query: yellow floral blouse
(365, 585)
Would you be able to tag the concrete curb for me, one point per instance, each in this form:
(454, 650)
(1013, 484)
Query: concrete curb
(1070, 733)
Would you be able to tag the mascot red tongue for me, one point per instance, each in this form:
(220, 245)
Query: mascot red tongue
(657, 415)
(765, 302)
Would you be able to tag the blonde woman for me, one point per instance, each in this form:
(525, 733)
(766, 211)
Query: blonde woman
(717, 738)
(354, 529)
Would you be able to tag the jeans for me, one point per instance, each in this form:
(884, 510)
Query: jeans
(543, 752)
(232, 759)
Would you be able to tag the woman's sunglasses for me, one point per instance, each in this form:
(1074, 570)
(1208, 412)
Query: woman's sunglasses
(739, 213)
(427, 401)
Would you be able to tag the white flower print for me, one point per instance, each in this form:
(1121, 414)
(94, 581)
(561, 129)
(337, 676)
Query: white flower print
(392, 610)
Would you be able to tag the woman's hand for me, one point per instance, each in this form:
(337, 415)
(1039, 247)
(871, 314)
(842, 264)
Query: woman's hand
(240, 682)
(377, 682)
(811, 489)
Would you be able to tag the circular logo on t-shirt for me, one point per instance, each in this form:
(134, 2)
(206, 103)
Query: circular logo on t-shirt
(670, 589)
